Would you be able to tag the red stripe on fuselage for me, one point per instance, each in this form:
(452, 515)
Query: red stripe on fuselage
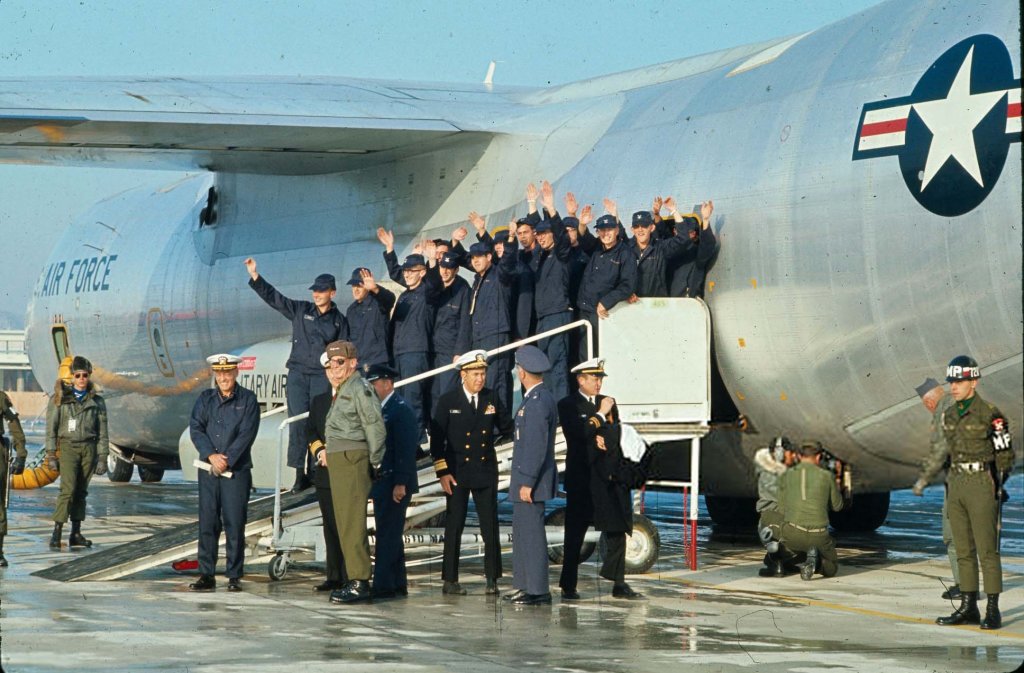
(879, 128)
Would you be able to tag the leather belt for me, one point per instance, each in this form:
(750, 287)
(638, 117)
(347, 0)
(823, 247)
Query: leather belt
(977, 466)
(809, 530)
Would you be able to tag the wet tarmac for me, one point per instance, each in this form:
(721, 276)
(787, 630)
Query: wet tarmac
(877, 615)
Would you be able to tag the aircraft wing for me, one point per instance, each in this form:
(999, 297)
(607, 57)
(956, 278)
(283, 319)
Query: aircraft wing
(291, 126)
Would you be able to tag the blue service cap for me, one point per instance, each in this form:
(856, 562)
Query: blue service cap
(379, 371)
(542, 227)
(570, 222)
(532, 359)
(412, 261)
(449, 260)
(323, 282)
(527, 221)
(643, 218)
(479, 248)
(357, 279)
(606, 222)
(691, 221)
(926, 387)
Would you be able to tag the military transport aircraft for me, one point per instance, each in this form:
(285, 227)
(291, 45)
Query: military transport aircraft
(866, 176)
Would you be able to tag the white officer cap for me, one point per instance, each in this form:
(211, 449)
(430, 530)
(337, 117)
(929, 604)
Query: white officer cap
(472, 360)
(223, 362)
(593, 366)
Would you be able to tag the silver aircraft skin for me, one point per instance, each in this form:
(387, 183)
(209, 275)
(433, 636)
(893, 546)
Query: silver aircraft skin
(866, 179)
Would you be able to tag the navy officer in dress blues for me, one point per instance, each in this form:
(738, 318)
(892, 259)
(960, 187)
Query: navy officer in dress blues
(393, 489)
(534, 478)
(466, 423)
(223, 427)
(314, 325)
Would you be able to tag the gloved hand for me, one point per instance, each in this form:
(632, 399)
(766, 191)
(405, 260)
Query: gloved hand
(51, 462)
(101, 466)
(18, 465)
(918, 487)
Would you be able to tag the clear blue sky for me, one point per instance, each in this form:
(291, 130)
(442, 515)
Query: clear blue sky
(535, 43)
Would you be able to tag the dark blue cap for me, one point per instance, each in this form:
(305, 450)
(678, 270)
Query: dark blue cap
(643, 218)
(379, 371)
(532, 359)
(542, 226)
(689, 222)
(449, 260)
(606, 222)
(357, 279)
(570, 222)
(525, 220)
(479, 248)
(323, 282)
(413, 261)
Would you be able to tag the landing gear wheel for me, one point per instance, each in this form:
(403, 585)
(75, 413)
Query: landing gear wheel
(866, 512)
(556, 553)
(150, 475)
(730, 512)
(278, 566)
(641, 547)
(119, 470)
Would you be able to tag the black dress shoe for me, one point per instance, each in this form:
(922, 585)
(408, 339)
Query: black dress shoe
(514, 595)
(353, 592)
(302, 481)
(532, 599)
(234, 584)
(78, 540)
(570, 595)
(452, 589)
(952, 593)
(625, 591)
(492, 588)
(327, 585)
(204, 583)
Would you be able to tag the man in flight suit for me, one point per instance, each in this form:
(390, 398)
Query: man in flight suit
(806, 492)
(467, 422)
(977, 439)
(314, 325)
(223, 427)
(9, 413)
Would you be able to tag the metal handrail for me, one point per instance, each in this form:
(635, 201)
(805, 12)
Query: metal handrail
(585, 324)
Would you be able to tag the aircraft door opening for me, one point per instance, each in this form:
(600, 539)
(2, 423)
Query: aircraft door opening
(155, 328)
(59, 334)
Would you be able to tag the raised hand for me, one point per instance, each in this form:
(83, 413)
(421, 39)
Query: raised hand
(606, 406)
(459, 234)
(611, 208)
(430, 250)
(706, 209)
(670, 203)
(571, 205)
(586, 215)
(250, 265)
(656, 206)
(531, 192)
(478, 222)
(386, 238)
(369, 283)
(547, 196)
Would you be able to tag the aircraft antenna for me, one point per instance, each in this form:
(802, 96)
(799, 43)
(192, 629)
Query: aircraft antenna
(489, 77)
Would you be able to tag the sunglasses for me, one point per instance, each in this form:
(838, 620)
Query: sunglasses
(336, 362)
(81, 375)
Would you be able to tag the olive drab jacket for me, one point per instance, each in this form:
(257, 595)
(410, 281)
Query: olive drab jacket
(806, 492)
(971, 437)
(69, 421)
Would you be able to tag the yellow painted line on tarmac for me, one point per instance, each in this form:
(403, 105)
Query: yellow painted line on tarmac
(813, 602)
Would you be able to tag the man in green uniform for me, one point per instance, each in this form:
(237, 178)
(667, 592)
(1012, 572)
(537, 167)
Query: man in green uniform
(934, 399)
(9, 414)
(977, 439)
(806, 492)
(76, 419)
(355, 433)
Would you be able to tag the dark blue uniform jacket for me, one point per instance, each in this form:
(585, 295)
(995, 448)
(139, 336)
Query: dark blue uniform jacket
(462, 439)
(368, 325)
(451, 314)
(227, 426)
(403, 438)
(311, 330)
(610, 276)
(533, 455)
(412, 322)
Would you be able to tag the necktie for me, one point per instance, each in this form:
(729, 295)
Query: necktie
(474, 403)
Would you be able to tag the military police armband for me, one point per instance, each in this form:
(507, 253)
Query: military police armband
(999, 434)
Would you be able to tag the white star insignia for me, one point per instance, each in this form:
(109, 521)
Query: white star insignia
(952, 121)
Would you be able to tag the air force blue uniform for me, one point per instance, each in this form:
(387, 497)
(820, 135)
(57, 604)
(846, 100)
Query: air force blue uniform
(228, 426)
(397, 467)
(533, 465)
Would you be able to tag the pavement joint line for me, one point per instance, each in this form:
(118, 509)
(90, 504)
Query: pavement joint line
(814, 602)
